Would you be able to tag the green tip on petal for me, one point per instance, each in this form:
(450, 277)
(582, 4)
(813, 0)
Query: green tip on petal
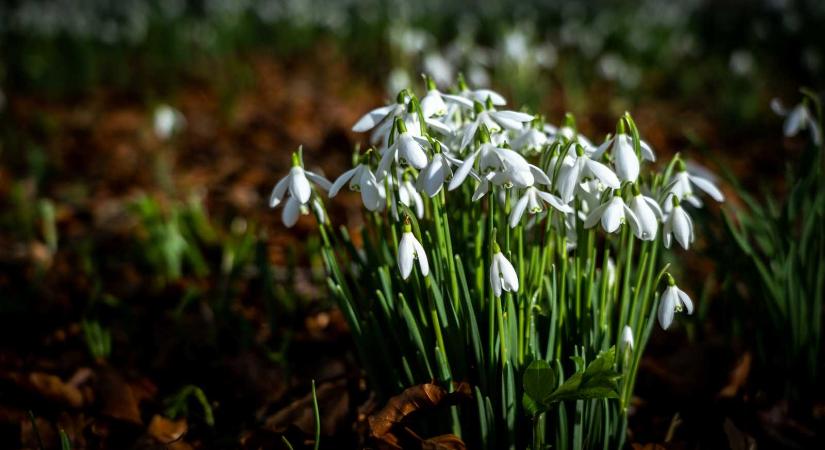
(636, 190)
(429, 82)
(402, 96)
(400, 126)
(670, 280)
(496, 248)
(620, 129)
(407, 224)
(674, 200)
(478, 107)
(680, 165)
(484, 134)
(579, 150)
(296, 160)
(488, 103)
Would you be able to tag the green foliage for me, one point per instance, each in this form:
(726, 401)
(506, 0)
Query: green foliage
(178, 404)
(98, 339)
(784, 243)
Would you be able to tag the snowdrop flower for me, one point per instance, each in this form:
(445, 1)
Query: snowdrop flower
(530, 140)
(624, 156)
(581, 166)
(409, 196)
(409, 249)
(797, 119)
(167, 121)
(626, 341)
(297, 183)
(568, 132)
(438, 171)
(361, 179)
(494, 121)
(380, 115)
(406, 149)
(679, 225)
(530, 201)
(612, 214)
(647, 212)
(673, 300)
(680, 186)
(508, 167)
(502, 274)
(433, 104)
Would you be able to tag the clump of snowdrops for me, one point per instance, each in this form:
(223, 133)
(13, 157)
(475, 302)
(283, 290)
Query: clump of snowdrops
(506, 252)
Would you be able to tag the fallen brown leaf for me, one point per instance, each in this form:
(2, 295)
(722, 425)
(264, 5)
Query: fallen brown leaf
(738, 377)
(443, 442)
(168, 432)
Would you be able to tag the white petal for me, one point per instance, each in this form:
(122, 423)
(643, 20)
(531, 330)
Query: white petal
(666, 233)
(463, 170)
(433, 105)
(540, 176)
(613, 215)
(513, 116)
(568, 179)
(625, 160)
(459, 100)
(595, 215)
(496, 98)
(555, 202)
(631, 218)
(469, 133)
(411, 152)
(654, 207)
(794, 122)
(291, 212)
(776, 106)
(667, 306)
(518, 210)
(423, 263)
(386, 162)
(686, 302)
(341, 181)
(371, 194)
(681, 227)
(299, 185)
(278, 192)
(708, 187)
(603, 173)
(439, 126)
(495, 278)
(322, 182)
(406, 254)
(647, 151)
(372, 118)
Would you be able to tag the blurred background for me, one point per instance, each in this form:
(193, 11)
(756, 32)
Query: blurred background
(149, 297)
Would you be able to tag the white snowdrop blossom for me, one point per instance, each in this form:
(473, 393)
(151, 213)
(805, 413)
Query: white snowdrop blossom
(406, 149)
(648, 213)
(503, 276)
(167, 121)
(678, 225)
(297, 184)
(434, 104)
(530, 140)
(681, 187)
(432, 178)
(531, 201)
(572, 173)
(672, 300)
(495, 121)
(361, 179)
(624, 156)
(508, 167)
(409, 250)
(612, 214)
(797, 119)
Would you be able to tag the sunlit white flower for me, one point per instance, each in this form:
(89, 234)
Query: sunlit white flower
(797, 119)
(647, 212)
(678, 225)
(626, 342)
(432, 178)
(529, 140)
(502, 274)
(531, 201)
(167, 121)
(409, 249)
(612, 214)
(433, 104)
(571, 174)
(406, 150)
(508, 167)
(624, 156)
(297, 183)
(478, 95)
(673, 300)
(361, 179)
(494, 121)
(680, 186)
